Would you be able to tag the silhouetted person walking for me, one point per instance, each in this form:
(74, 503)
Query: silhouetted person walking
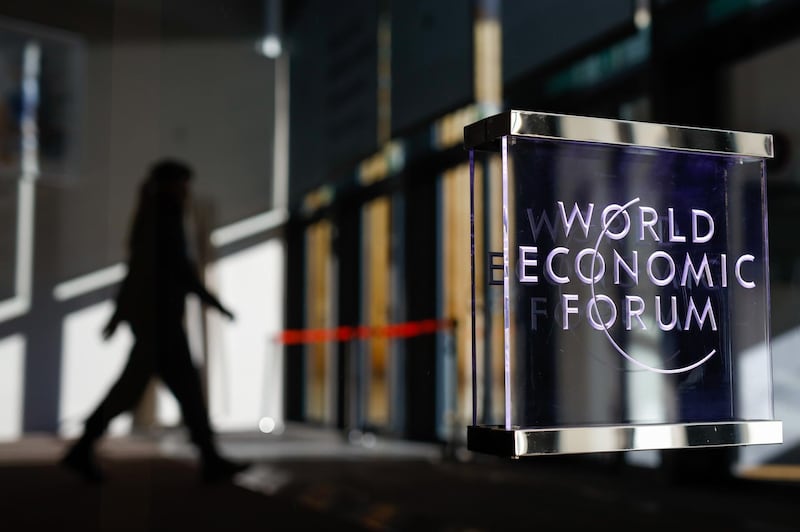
(152, 299)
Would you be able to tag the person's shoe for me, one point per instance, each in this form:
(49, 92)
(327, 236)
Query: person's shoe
(81, 460)
(221, 469)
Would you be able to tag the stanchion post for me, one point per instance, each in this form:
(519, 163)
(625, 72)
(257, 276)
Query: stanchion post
(451, 365)
(272, 418)
(354, 391)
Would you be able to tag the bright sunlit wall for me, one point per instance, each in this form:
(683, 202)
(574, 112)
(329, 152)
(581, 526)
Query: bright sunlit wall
(244, 362)
(12, 363)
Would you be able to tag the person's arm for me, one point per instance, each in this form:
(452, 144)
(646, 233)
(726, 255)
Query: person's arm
(111, 326)
(197, 286)
(120, 309)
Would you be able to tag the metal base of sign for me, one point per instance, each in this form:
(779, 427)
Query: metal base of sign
(594, 439)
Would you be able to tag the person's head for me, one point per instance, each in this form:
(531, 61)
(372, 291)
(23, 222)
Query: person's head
(170, 178)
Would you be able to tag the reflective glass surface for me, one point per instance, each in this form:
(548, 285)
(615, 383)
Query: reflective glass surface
(635, 285)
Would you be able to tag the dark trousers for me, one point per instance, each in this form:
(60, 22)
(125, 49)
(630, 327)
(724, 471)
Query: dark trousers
(163, 352)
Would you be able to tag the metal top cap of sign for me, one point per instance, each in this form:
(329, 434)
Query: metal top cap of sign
(485, 133)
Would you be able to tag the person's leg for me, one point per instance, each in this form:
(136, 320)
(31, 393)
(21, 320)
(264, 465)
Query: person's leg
(122, 396)
(183, 380)
(181, 377)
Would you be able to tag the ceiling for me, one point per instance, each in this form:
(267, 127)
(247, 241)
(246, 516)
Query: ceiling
(97, 20)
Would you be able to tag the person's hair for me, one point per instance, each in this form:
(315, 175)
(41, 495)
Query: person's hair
(169, 171)
(155, 197)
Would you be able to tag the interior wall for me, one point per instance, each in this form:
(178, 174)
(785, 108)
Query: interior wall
(206, 101)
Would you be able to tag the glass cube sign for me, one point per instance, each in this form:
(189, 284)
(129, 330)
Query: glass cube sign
(633, 281)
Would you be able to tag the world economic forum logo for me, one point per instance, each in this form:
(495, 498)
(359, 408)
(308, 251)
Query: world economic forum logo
(627, 267)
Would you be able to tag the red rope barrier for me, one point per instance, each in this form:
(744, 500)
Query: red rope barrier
(345, 333)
